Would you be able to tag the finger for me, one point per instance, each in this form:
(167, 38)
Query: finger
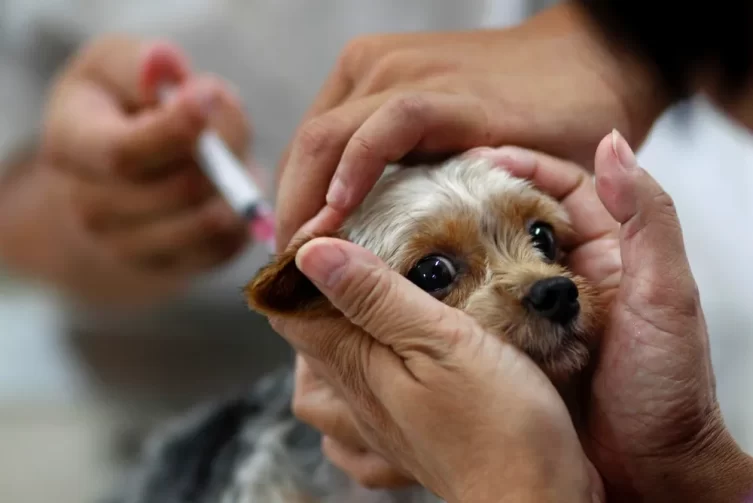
(105, 207)
(359, 60)
(109, 143)
(595, 252)
(154, 138)
(368, 468)
(316, 403)
(162, 63)
(655, 266)
(426, 122)
(167, 239)
(385, 305)
(315, 153)
(116, 64)
(563, 180)
(229, 119)
(214, 250)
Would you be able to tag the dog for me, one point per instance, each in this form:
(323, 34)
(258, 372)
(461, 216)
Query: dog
(464, 231)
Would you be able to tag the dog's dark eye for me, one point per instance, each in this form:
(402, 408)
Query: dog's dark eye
(542, 236)
(433, 274)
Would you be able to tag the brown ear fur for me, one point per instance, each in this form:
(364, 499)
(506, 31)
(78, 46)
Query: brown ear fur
(280, 289)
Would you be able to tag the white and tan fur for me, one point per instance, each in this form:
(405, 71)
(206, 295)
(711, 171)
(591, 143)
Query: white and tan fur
(466, 210)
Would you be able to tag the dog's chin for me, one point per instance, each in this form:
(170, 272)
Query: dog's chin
(564, 353)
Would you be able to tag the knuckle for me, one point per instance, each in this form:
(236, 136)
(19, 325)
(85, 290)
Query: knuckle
(232, 123)
(665, 204)
(361, 148)
(357, 54)
(409, 107)
(369, 296)
(456, 327)
(316, 136)
(678, 300)
(387, 70)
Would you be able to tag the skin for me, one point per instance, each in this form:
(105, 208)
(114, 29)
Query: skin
(425, 93)
(433, 93)
(417, 94)
(109, 205)
(654, 430)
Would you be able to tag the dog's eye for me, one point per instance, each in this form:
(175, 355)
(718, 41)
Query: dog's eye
(433, 274)
(542, 236)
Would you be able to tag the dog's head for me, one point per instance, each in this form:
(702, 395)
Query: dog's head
(474, 237)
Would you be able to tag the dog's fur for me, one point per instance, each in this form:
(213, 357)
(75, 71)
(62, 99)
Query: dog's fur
(466, 213)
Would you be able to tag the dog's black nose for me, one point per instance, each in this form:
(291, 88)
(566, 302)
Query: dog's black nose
(554, 298)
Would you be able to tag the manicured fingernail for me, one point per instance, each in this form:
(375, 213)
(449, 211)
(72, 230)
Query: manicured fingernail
(322, 263)
(337, 195)
(622, 150)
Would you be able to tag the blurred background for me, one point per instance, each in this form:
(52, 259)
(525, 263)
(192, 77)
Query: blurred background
(79, 387)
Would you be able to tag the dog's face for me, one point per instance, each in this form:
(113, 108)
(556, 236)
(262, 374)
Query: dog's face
(477, 239)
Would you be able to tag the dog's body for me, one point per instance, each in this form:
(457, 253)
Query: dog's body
(464, 231)
(248, 449)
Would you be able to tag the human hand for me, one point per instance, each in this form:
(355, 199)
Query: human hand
(468, 415)
(595, 255)
(654, 430)
(134, 208)
(547, 84)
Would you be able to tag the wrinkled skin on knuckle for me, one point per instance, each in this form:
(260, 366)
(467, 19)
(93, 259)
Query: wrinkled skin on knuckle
(674, 298)
(361, 149)
(409, 107)
(665, 203)
(358, 56)
(388, 70)
(316, 136)
(368, 297)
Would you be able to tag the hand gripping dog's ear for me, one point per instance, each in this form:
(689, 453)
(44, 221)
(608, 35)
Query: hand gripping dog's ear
(280, 289)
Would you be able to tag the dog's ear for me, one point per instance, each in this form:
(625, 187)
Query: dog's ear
(281, 289)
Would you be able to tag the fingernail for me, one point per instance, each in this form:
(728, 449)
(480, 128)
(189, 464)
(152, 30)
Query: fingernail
(337, 195)
(322, 263)
(622, 150)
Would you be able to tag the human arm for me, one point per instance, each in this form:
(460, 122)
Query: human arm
(703, 47)
(655, 430)
(548, 84)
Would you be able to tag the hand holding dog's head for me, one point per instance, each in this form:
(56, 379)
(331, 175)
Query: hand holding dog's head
(480, 241)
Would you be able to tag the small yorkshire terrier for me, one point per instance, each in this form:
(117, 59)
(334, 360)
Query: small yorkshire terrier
(464, 231)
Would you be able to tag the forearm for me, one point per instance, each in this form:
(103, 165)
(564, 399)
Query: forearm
(708, 48)
(632, 78)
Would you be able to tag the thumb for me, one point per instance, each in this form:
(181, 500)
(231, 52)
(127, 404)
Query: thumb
(384, 304)
(162, 63)
(656, 271)
(128, 68)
